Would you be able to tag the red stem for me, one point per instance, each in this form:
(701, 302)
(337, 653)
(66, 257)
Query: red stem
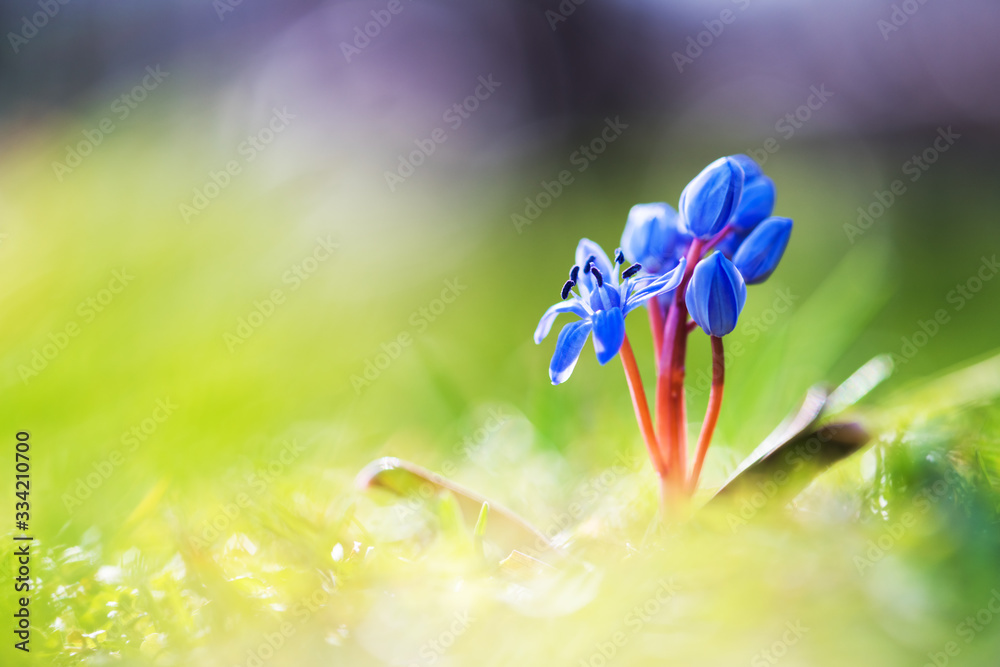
(712, 413)
(714, 241)
(641, 406)
(670, 408)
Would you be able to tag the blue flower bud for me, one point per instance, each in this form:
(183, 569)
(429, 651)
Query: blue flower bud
(759, 255)
(652, 237)
(708, 201)
(751, 169)
(715, 295)
(756, 203)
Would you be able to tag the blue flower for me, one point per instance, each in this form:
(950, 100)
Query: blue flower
(652, 237)
(716, 294)
(709, 201)
(757, 200)
(759, 255)
(603, 301)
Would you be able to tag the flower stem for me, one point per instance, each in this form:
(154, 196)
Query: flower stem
(656, 325)
(715, 240)
(712, 413)
(670, 408)
(641, 406)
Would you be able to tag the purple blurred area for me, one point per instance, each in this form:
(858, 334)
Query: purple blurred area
(562, 64)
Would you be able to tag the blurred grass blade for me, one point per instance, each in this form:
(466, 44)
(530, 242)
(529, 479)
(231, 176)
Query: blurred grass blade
(793, 455)
(505, 529)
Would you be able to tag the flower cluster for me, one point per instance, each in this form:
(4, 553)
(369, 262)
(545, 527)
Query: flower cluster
(690, 267)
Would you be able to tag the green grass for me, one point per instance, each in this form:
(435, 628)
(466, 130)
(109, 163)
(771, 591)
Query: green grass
(236, 521)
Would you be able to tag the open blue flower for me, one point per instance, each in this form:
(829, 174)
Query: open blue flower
(602, 302)
(716, 295)
(711, 198)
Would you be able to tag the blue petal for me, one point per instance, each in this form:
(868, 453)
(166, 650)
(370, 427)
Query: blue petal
(751, 169)
(651, 236)
(584, 250)
(645, 289)
(716, 295)
(708, 201)
(759, 255)
(609, 334)
(756, 203)
(545, 324)
(568, 348)
(611, 294)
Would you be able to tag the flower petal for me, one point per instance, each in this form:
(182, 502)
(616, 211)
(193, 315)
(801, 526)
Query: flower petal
(708, 201)
(647, 289)
(651, 236)
(716, 295)
(568, 348)
(545, 324)
(759, 255)
(584, 250)
(751, 169)
(609, 334)
(756, 203)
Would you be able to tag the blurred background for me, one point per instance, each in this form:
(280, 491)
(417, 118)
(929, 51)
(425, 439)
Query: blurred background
(227, 226)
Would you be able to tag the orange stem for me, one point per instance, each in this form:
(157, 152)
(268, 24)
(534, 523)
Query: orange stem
(641, 406)
(656, 325)
(712, 413)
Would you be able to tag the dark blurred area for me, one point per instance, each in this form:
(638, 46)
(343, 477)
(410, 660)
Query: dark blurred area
(893, 71)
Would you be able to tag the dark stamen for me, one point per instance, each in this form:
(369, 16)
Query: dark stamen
(597, 274)
(631, 271)
(574, 273)
(589, 263)
(619, 256)
(570, 284)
